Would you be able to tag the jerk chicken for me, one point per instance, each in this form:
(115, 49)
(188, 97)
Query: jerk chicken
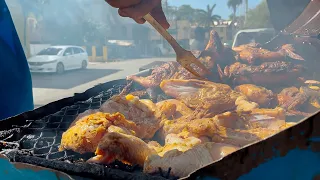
(268, 73)
(254, 54)
(87, 132)
(250, 95)
(258, 94)
(208, 97)
(214, 53)
(293, 100)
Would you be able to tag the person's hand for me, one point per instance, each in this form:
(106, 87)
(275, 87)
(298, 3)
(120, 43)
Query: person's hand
(136, 9)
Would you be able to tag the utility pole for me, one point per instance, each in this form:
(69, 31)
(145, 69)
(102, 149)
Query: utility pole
(246, 11)
(165, 3)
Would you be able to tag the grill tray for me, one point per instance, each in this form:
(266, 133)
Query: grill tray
(34, 137)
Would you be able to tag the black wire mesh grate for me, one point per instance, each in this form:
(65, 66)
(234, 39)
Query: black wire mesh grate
(37, 142)
(41, 138)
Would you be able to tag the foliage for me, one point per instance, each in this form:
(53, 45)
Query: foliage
(185, 12)
(234, 5)
(195, 16)
(259, 17)
(207, 18)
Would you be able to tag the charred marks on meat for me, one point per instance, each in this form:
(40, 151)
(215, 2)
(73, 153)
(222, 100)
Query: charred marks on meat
(179, 122)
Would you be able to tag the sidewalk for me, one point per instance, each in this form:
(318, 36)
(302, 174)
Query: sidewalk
(44, 96)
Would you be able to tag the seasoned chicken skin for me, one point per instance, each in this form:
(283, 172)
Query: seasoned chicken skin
(211, 98)
(123, 147)
(268, 73)
(253, 54)
(181, 142)
(85, 134)
(257, 94)
(173, 109)
(141, 112)
(230, 127)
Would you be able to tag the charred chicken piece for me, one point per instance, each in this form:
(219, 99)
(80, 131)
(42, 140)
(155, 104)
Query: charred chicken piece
(293, 100)
(160, 73)
(184, 163)
(266, 74)
(215, 53)
(207, 97)
(85, 134)
(258, 94)
(141, 112)
(253, 54)
(123, 147)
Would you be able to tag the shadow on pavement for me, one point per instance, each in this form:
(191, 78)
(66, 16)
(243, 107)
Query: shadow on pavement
(69, 79)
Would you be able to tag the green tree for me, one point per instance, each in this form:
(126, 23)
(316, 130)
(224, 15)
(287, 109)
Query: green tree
(234, 4)
(259, 17)
(206, 17)
(185, 12)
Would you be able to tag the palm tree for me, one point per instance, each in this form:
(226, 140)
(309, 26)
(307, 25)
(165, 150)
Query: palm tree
(206, 17)
(234, 5)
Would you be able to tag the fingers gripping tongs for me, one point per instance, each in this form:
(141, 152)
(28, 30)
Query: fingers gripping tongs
(184, 58)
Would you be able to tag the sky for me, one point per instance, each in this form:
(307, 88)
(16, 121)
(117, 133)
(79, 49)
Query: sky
(221, 8)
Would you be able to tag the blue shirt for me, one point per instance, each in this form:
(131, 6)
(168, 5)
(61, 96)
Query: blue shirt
(15, 78)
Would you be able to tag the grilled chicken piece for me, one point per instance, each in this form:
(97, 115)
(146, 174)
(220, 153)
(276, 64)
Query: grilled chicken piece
(208, 97)
(184, 163)
(123, 147)
(215, 53)
(213, 128)
(141, 112)
(179, 142)
(173, 109)
(266, 74)
(85, 134)
(293, 100)
(232, 127)
(160, 73)
(253, 54)
(257, 94)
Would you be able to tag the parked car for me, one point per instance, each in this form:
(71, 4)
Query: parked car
(253, 35)
(59, 59)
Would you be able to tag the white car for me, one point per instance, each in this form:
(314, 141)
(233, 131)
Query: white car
(59, 59)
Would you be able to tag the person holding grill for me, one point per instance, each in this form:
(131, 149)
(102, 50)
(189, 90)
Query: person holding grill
(16, 85)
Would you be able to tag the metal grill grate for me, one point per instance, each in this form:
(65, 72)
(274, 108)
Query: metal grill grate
(37, 141)
(41, 138)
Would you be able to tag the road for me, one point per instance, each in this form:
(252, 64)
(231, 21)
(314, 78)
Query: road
(51, 87)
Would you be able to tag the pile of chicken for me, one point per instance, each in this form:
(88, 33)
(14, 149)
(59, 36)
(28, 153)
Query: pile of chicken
(248, 97)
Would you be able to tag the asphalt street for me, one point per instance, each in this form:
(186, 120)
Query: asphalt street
(52, 87)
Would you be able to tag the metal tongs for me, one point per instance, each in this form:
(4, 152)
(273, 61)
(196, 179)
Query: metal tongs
(184, 58)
